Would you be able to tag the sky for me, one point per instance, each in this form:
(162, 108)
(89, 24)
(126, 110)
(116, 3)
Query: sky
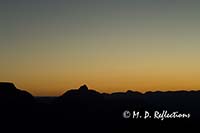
(50, 46)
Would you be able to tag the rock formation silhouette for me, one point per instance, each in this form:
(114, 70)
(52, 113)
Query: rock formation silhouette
(10, 94)
(78, 108)
(82, 94)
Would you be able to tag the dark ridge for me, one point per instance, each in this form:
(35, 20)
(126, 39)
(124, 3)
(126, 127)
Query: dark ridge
(83, 93)
(7, 85)
(10, 94)
(103, 112)
(83, 88)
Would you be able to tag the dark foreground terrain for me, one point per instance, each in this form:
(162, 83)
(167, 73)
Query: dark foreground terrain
(85, 110)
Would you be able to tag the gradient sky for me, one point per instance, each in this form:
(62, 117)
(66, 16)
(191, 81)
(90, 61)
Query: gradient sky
(50, 46)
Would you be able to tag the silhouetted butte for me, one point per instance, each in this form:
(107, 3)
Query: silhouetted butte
(9, 94)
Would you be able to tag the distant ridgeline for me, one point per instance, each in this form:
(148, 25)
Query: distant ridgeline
(113, 112)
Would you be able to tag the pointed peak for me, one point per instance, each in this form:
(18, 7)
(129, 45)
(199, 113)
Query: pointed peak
(83, 88)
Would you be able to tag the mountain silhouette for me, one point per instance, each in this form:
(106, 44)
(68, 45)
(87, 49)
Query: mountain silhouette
(83, 93)
(84, 88)
(78, 108)
(10, 94)
(16, 107)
